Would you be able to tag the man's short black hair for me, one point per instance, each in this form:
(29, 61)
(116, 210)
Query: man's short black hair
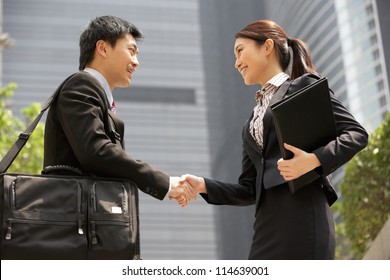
(107, 28)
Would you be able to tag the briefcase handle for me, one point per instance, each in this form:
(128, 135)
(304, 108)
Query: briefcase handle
(63, 170)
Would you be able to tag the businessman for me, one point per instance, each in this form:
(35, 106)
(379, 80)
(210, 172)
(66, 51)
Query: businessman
(83, 129)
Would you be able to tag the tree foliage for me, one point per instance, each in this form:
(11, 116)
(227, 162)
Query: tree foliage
(30, 159)
(365, 205)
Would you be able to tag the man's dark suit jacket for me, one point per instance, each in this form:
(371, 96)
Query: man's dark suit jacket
(259, 166)
(78, 134)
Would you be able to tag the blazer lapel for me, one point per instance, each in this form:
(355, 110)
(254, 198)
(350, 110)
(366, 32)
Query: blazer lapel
(247, 136)
(267, 120)
(118, 126)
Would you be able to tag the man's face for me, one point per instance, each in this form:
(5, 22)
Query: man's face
(122, 61)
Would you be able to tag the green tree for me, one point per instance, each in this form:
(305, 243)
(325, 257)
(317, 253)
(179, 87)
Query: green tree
(365, 205)
(30, 159)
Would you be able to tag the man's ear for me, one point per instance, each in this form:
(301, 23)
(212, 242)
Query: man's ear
(269, 45)
(101, 48)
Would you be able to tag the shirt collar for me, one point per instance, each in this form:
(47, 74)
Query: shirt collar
(270, 87)
(278, 79)
(103, 82)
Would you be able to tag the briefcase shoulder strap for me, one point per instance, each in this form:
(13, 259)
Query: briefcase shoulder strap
(13, 152)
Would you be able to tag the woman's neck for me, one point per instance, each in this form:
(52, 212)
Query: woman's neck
(272, 72)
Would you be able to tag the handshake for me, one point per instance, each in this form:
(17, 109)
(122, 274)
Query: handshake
(185, 188)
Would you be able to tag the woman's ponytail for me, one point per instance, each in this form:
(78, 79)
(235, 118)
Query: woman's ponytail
(302, 62)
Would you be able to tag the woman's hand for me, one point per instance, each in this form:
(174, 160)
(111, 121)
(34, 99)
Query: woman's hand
(301, 163)
(196, 185)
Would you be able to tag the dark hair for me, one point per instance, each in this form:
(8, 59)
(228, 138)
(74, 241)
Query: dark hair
(107, 28)
(262, 30)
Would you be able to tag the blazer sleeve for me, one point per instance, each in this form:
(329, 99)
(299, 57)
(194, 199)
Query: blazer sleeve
(242, 194)
(80, 108)
(351, 139)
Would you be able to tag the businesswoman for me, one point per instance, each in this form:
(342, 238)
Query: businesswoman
(287, 226)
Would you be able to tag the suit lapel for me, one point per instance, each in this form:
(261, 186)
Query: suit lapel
(267, 120)
(118, 126)
(247, 136)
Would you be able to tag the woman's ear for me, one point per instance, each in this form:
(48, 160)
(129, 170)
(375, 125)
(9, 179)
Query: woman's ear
(269, 46)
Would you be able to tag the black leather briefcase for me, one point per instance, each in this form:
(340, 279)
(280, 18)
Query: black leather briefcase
(68, 217)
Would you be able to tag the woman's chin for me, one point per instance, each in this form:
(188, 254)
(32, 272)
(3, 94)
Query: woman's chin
(249, 82)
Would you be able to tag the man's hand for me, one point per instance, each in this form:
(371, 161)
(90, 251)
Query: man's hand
(301, 163)
(197, 183)
(181, 190)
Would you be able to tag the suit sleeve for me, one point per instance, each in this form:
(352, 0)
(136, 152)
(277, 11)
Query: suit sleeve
(80, 110)
(243, 193)
(351, 139)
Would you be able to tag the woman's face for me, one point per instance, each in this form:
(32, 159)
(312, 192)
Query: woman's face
(251, 60)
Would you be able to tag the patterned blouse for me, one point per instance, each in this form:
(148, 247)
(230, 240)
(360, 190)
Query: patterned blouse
(263, 98)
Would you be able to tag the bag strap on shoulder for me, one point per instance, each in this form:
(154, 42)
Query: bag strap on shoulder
(10, 156)
(7, 160)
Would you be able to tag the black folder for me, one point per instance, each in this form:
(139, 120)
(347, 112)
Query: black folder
(305, 120)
